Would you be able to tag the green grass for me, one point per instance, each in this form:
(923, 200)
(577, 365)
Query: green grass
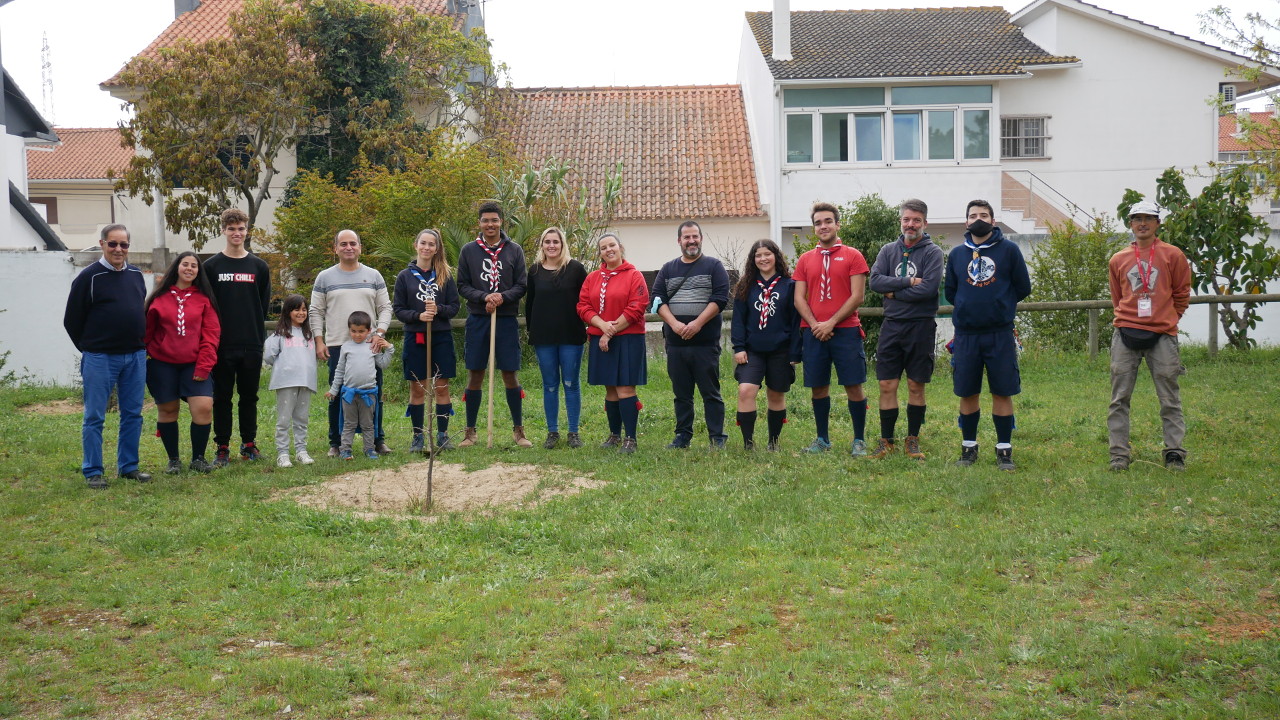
(693, 584)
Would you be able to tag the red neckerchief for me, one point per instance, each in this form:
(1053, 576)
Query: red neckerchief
(182, 311)
(824, 288)
(767, 298)
(605, 276)
(493, 271)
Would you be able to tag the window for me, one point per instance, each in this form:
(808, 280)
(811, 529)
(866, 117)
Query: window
(1228, 92)
(799, 138)
(835, 137)
(1023, 137)
(49, 205)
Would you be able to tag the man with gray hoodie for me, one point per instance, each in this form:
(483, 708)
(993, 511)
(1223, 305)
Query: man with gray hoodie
(908, 272)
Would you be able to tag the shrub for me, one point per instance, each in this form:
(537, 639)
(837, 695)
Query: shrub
(1071, 265)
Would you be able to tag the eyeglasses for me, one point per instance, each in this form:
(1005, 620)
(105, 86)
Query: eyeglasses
(114, 244)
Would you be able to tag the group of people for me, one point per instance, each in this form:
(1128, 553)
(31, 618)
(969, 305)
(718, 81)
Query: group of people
(199, 337)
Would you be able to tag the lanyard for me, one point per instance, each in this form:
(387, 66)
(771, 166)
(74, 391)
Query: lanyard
(1145, 277)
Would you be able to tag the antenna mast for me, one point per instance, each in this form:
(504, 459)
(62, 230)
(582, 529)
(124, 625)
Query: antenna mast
(46, 78)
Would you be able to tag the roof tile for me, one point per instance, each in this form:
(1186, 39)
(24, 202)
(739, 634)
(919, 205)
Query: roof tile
(1228, 139)
(85, 154)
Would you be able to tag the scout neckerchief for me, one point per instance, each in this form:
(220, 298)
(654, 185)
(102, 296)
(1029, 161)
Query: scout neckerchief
(182, 311)
(1144, 300)
(906, 252)
(824, 288)
(426, 285)
(605, 276)
(492, 270)
(767, 299)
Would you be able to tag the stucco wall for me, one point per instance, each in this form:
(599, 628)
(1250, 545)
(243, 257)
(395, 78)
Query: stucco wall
(650, 244)
(33, 297)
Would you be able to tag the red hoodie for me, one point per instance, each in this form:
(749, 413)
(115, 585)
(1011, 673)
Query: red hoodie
(199, 342)
(626, 295)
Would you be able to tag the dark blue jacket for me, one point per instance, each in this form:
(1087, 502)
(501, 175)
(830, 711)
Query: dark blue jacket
(512, 277)
(986, 289)
(105, 310)
(782, 331)
(407, 303)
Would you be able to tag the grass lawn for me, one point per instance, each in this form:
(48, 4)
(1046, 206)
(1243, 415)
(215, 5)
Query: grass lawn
(693, 584)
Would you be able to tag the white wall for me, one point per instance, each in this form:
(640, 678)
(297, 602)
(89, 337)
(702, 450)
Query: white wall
(761, 108)
(649, 244)
(946, 190)
(33, 296)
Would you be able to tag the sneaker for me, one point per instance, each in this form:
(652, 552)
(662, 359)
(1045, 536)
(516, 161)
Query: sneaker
(628, 446)
(97, 482)
(283, 461)
(381, 448)
(968, 456)
(1004, 460)
(200, 465)
(443, 442)
(553, 439)
(345, 455)
(717, 443)
(371, 454)
(469, 438)
(1174, 461)
(136, 476)
(573, 441)
(773, 445)
(1119, 464)
(818, 446)
(517, 436)
(174, 467)
(249, 451)
(304, 458)
(912, 448)
(678, 443)
(418, 444)
(883, 448)
(333, 451)
(612, 441)
(748, 445)
(222, 458)
(859, 448)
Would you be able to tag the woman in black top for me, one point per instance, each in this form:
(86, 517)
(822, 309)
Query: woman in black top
(556, 332)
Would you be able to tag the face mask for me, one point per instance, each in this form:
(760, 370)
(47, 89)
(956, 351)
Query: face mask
(980, 228)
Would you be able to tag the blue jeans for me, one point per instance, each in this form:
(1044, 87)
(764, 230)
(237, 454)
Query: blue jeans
(560, 363)
(127, 372)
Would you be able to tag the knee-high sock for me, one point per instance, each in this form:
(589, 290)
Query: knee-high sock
(822, 417)
(888, 420)
(443, 412)
(915, 419)
(416, 413)
(747, 421)
(515, 403)
(614, 414)
(169, 438)
(199, 439)
(969, 427)
(776, 419)
(472, 399)
(629, 409)
(1004, 429)
(858, 411)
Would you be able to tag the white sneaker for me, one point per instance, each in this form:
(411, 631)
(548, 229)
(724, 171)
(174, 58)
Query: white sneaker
(283, 460)
(304, 458)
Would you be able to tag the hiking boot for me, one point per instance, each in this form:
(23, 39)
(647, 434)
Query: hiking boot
(717, 443)
(968, 456)
(553, 439)
(469, 438)
(200, 465)
(345, 455)
(628, 446)
(573, 441)
(97, 482)
(304, 458)
(1174, 461)
(818, 446)
(517, 435)
(912, 448)
(859, 448)
(679, 443)
(418, 444)
(773, 445)
(612, 441)
(443, 442)
(883, 449)
(748, 445)
(381, 448)
(139, 476)
(1119, 464)
(333, 451)
(222, 457)
(249, 451)
(283, 461)
(1004, 460)
(371, 454)
(174, 467)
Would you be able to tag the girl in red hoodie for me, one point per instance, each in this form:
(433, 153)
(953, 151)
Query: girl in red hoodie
(182, 348)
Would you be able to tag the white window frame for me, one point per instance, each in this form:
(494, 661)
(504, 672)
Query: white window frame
(1020, 139)
(887, 135)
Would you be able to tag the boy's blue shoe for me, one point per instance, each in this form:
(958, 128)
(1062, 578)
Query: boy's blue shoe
(346, 455)
(818, 446)
(371, 454)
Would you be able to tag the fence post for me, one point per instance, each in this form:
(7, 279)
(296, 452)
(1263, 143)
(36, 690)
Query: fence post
(1213, 329)
(1093, 333)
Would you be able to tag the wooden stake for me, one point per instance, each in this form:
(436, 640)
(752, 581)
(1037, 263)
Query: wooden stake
(493, 337)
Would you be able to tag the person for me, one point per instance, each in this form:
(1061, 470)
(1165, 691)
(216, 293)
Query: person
(339, 291)
(765, 334)
(355, 382)
(612, 302)
(689, 293)
(986, 278)
(182, 338)
(555, 332)
(492, 279)
(1150, 289)
(291, 353)
(241, 283)
(831, 281)
(908, 272)
(106, 321)
(426, 294)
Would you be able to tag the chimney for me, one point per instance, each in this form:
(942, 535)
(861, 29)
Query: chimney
(184, 6)
(781, 30)
(1240, 116)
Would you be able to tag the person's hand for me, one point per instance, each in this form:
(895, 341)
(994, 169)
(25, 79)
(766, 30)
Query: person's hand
(492, 301)
(197, 378)
(916, 281)
(429, 311)
(322, 351)
(604, 343)
(610, 329)
(328, 394)
(888, 296)
(691, 329)
(824, 330)
(740, 358)
(378, 342)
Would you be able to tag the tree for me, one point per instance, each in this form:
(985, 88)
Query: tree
(1225, 243)
(1253, 36)
(868, 224)
(1072, 264)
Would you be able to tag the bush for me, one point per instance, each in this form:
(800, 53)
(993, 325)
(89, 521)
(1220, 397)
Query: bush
(868, 224)
(1072, 265)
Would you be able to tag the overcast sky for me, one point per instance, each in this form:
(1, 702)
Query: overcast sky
(560, 43)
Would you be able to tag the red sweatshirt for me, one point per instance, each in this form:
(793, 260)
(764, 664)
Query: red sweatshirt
(626, 295)
(1170, 287)
(198, 345)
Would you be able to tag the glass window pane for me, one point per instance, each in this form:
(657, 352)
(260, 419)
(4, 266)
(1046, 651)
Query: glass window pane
(799, 138)
(941, 94)
(869, 130)
(977, 134)
(832, 97)
(906, 136)
(835, 137)
(942, 135)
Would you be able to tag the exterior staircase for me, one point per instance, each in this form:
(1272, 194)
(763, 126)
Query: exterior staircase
(1030, 205)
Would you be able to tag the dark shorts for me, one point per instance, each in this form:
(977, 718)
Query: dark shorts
(625, 364)
(506, 349)
(907, 345)
(844, 350)
(168, 382)
(414, 355)
(997, 352)
(773, 369)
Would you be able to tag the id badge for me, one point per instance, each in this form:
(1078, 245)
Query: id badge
(1144, 306)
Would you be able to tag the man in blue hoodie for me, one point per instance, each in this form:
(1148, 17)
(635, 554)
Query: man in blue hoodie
(986, 278)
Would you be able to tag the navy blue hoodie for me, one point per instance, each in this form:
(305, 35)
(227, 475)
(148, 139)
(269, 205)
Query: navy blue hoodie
(782, 332)
(985, 283)
(473, 282)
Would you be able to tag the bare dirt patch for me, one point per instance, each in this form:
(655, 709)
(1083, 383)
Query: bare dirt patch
(67, 406)
(402, 491)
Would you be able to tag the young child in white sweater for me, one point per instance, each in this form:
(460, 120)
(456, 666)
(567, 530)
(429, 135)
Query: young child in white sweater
(291, 353)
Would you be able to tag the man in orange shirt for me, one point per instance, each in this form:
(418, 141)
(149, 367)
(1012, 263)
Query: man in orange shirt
(1150, 289)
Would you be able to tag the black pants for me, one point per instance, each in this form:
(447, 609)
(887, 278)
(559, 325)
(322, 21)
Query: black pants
(690, 366)
(335, 405)
(237, 371)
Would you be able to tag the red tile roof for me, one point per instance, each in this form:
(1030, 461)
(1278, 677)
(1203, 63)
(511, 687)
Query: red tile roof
(1228, 139)
(85, 154)
(685, 151)
(209, 21)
